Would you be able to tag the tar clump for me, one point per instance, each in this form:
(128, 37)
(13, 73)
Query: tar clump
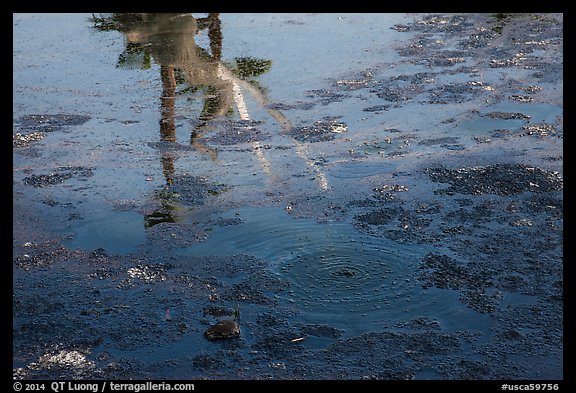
(498, 179)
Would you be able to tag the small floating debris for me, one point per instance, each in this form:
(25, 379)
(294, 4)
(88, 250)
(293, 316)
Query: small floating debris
(391, 188)
(356, 82)
(541, 129)
(532, 89)
(524, 222)
(338, 128)
(24, 140)
(149, 273)
(521, 98)
(482, 139)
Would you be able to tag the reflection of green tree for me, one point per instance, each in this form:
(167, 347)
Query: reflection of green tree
(186, 70)
(167, 214)
(135, 56)
(246, 67)
(117, 21)
(501, 19)
(169, 210)
(138, 56)
(103, 23)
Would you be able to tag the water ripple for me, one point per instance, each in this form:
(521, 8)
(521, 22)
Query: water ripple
(336, 274)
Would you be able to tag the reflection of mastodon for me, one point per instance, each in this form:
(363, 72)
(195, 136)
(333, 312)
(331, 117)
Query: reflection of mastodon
(170, 40)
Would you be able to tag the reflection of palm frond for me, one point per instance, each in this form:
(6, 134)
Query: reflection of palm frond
(159, 217)
(103, 23)
(120, 22)
(247, 67)
(135, 56)
(237, 312)
(179, 76)
(213, 104)
(166, 194)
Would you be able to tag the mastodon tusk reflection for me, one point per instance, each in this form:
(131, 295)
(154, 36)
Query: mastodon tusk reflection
(285, 124)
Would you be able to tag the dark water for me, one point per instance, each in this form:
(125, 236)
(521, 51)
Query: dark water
(338, 276)
(118, 233)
